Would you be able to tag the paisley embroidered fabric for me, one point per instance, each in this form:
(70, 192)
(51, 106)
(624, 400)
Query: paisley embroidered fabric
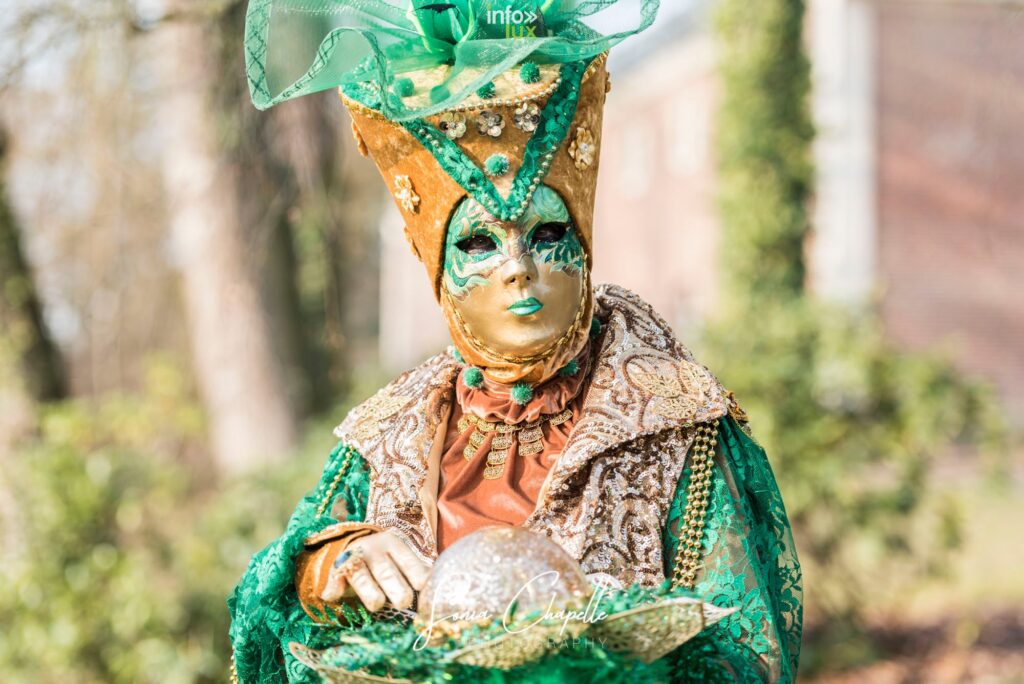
(467, 501)
(750, 562)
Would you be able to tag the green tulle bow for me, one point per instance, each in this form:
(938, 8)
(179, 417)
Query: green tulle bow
(298, 47)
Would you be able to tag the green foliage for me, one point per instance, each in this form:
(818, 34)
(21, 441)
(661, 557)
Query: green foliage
(852, 425)
(763, 146)
(116, 556)
(853, 428)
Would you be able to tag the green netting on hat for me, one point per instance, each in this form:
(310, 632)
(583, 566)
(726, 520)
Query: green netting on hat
(298, 47)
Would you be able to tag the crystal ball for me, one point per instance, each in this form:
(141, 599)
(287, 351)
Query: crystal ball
(506, 573)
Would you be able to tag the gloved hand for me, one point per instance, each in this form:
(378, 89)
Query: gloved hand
(378, 567)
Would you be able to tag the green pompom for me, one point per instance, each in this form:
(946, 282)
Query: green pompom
(595, 328)
(486, 91)
(404, 87)
(570, 369)
(438, 94)
(522, 393)
(530, 73)
(457, 355)
(496, 165)
(473, 377)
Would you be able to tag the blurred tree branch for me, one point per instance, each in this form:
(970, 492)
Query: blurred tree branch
(34, 31)
(257, 204)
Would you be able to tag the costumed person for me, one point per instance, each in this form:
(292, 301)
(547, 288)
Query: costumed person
(563, 408)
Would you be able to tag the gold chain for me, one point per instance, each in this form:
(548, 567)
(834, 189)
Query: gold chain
(688, 553)
(234, 671)
(334, 485)
(548, 351)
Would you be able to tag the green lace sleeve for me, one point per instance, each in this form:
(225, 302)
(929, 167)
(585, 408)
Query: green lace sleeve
(750, 562)
(265, 611)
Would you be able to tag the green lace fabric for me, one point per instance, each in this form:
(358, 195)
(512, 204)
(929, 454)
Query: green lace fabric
(298, 47)
(265, 611)
(749, 562)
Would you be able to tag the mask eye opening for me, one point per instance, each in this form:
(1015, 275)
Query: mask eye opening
(549, 232)
(476, 244)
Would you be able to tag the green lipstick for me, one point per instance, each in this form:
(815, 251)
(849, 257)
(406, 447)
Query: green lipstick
(525, 307)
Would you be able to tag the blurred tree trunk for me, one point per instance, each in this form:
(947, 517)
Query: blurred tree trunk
(269, 196)
(21, 316)
(332, 224)
(304, 136)
(242, 381)
(296, 213)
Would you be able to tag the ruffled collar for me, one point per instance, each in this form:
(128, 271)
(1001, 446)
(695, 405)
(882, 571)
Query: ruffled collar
(492, 401)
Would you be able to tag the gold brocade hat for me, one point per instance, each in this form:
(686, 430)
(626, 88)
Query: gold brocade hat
(538, 123)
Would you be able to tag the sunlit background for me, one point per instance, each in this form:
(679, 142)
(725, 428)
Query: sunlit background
(826, 201)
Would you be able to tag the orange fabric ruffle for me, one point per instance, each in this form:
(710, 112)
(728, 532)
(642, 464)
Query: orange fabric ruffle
(466, 501)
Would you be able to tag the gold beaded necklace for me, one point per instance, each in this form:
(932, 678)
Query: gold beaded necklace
(529, 435)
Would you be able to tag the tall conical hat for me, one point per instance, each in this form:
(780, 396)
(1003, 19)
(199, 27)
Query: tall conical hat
(467, 98)
(497, 149)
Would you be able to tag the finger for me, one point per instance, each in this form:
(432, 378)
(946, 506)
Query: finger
(367, 589)
(335, 587)
(390, 580)
(337, 578)
(414, 570)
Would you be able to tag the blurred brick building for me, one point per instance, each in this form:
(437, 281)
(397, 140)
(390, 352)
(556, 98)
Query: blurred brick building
(920, 195)
(921, 174)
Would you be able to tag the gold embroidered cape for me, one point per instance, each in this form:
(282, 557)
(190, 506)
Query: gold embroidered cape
(623, 499)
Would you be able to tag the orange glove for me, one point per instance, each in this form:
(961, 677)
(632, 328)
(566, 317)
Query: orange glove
(313, 567)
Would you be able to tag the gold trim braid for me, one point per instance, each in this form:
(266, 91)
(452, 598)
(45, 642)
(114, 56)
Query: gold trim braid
(322, 508)
(691, 535)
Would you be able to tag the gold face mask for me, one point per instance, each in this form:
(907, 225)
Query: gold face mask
(516, 294)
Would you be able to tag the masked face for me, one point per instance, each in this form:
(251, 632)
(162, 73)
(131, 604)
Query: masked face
(517, 286)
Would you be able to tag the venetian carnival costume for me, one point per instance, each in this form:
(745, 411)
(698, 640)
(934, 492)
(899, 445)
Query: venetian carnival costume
(610, 440)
